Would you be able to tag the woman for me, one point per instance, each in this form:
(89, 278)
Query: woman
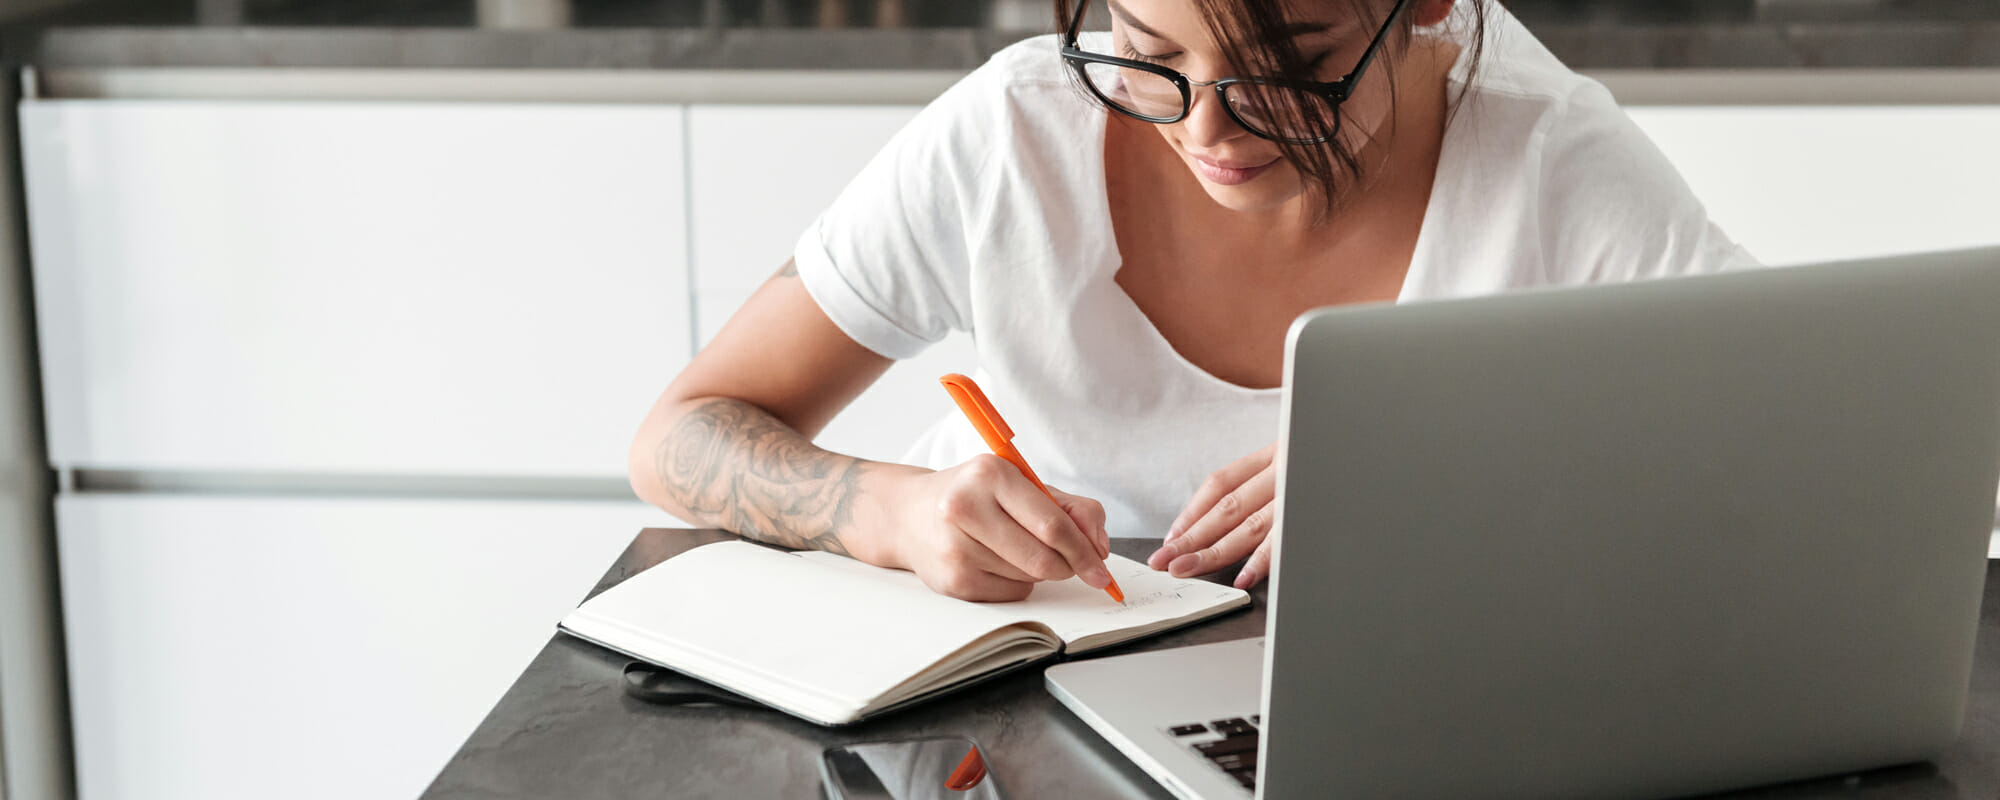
(1127, 253)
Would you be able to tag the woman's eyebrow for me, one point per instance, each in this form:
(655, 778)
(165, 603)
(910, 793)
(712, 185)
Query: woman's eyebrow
(1303, 28)
(1126, 17)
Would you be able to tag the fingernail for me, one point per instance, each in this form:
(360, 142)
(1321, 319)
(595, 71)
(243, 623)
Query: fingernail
(1185, 565)
(1159, 558)
(1243, 580)
(1097, 577)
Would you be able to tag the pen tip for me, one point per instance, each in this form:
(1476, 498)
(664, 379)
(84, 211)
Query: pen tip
(1115, 592)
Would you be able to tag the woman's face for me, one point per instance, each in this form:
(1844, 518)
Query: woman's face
(1240, 170)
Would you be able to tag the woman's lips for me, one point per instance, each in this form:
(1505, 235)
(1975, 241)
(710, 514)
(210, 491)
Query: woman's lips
(1226, 175)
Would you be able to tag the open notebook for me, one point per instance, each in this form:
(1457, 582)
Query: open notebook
(832, 640)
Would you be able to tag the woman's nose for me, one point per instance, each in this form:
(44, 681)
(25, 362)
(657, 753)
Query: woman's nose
(1208, 123)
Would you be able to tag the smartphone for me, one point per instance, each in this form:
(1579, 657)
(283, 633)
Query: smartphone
(941, 767)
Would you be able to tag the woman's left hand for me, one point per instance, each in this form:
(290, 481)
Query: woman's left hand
(1228, 519)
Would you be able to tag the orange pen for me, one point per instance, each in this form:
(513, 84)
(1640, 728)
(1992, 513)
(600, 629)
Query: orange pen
(971, 770)
(1000, 438)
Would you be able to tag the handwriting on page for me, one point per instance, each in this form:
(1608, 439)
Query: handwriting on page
(1075, 609)
(1179, 591)
(1134, 602)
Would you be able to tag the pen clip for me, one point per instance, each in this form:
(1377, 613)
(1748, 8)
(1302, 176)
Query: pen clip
(975, 405)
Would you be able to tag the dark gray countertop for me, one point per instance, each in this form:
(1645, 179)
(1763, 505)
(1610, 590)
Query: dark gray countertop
(565, 729)
(925, 34)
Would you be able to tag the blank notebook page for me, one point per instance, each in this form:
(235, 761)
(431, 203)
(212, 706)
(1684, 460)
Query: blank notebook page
(735, 608)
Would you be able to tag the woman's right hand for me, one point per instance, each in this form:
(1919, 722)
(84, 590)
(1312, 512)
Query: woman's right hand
(982, 531)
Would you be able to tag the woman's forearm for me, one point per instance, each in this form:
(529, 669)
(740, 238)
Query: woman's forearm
(727, 463)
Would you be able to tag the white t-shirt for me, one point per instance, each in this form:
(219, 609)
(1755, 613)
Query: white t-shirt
(988, 215)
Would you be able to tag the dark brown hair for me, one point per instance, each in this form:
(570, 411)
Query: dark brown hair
(1252, 37)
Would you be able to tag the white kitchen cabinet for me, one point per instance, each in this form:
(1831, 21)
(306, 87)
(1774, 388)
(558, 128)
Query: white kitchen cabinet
(759, 175)
(1803, 184)
(225, 647)
(347, 287)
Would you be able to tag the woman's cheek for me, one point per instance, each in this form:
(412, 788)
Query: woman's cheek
(1369, 106)
(1365, 116)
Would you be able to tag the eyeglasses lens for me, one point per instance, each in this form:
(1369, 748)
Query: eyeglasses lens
(1135, 91)
(1283, 112)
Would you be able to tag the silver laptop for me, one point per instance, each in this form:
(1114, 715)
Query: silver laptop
(1643, 540)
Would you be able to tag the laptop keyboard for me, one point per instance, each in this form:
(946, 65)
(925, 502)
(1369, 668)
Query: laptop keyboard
(1230, 744)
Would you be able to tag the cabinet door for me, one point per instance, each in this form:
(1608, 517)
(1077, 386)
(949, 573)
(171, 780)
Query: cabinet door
(236, 647)
(409, 288)
(759, 175)
(1798, 185)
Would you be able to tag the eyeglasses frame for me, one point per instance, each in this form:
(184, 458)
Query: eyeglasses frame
(1333, 92)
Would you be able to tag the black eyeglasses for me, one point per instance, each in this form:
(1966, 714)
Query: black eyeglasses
(1279, 109)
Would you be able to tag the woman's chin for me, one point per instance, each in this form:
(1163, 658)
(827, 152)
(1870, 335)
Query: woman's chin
(1255, 196)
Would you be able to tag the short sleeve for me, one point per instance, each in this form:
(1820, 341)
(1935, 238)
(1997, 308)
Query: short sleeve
(887, 261)
(1615, 209)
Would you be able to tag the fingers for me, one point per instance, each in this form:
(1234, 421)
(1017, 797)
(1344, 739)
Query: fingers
(987, 526)
(1088, 514)
(1258, 567)
(1233, 527)
(1219, 484)
(1052, 526)
(989, 588)
(997, 506)
(1232, 547)
(965, 569)
(969, 582)
(966, 553)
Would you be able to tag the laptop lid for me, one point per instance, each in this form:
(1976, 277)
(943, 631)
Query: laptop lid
(1640, 540)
